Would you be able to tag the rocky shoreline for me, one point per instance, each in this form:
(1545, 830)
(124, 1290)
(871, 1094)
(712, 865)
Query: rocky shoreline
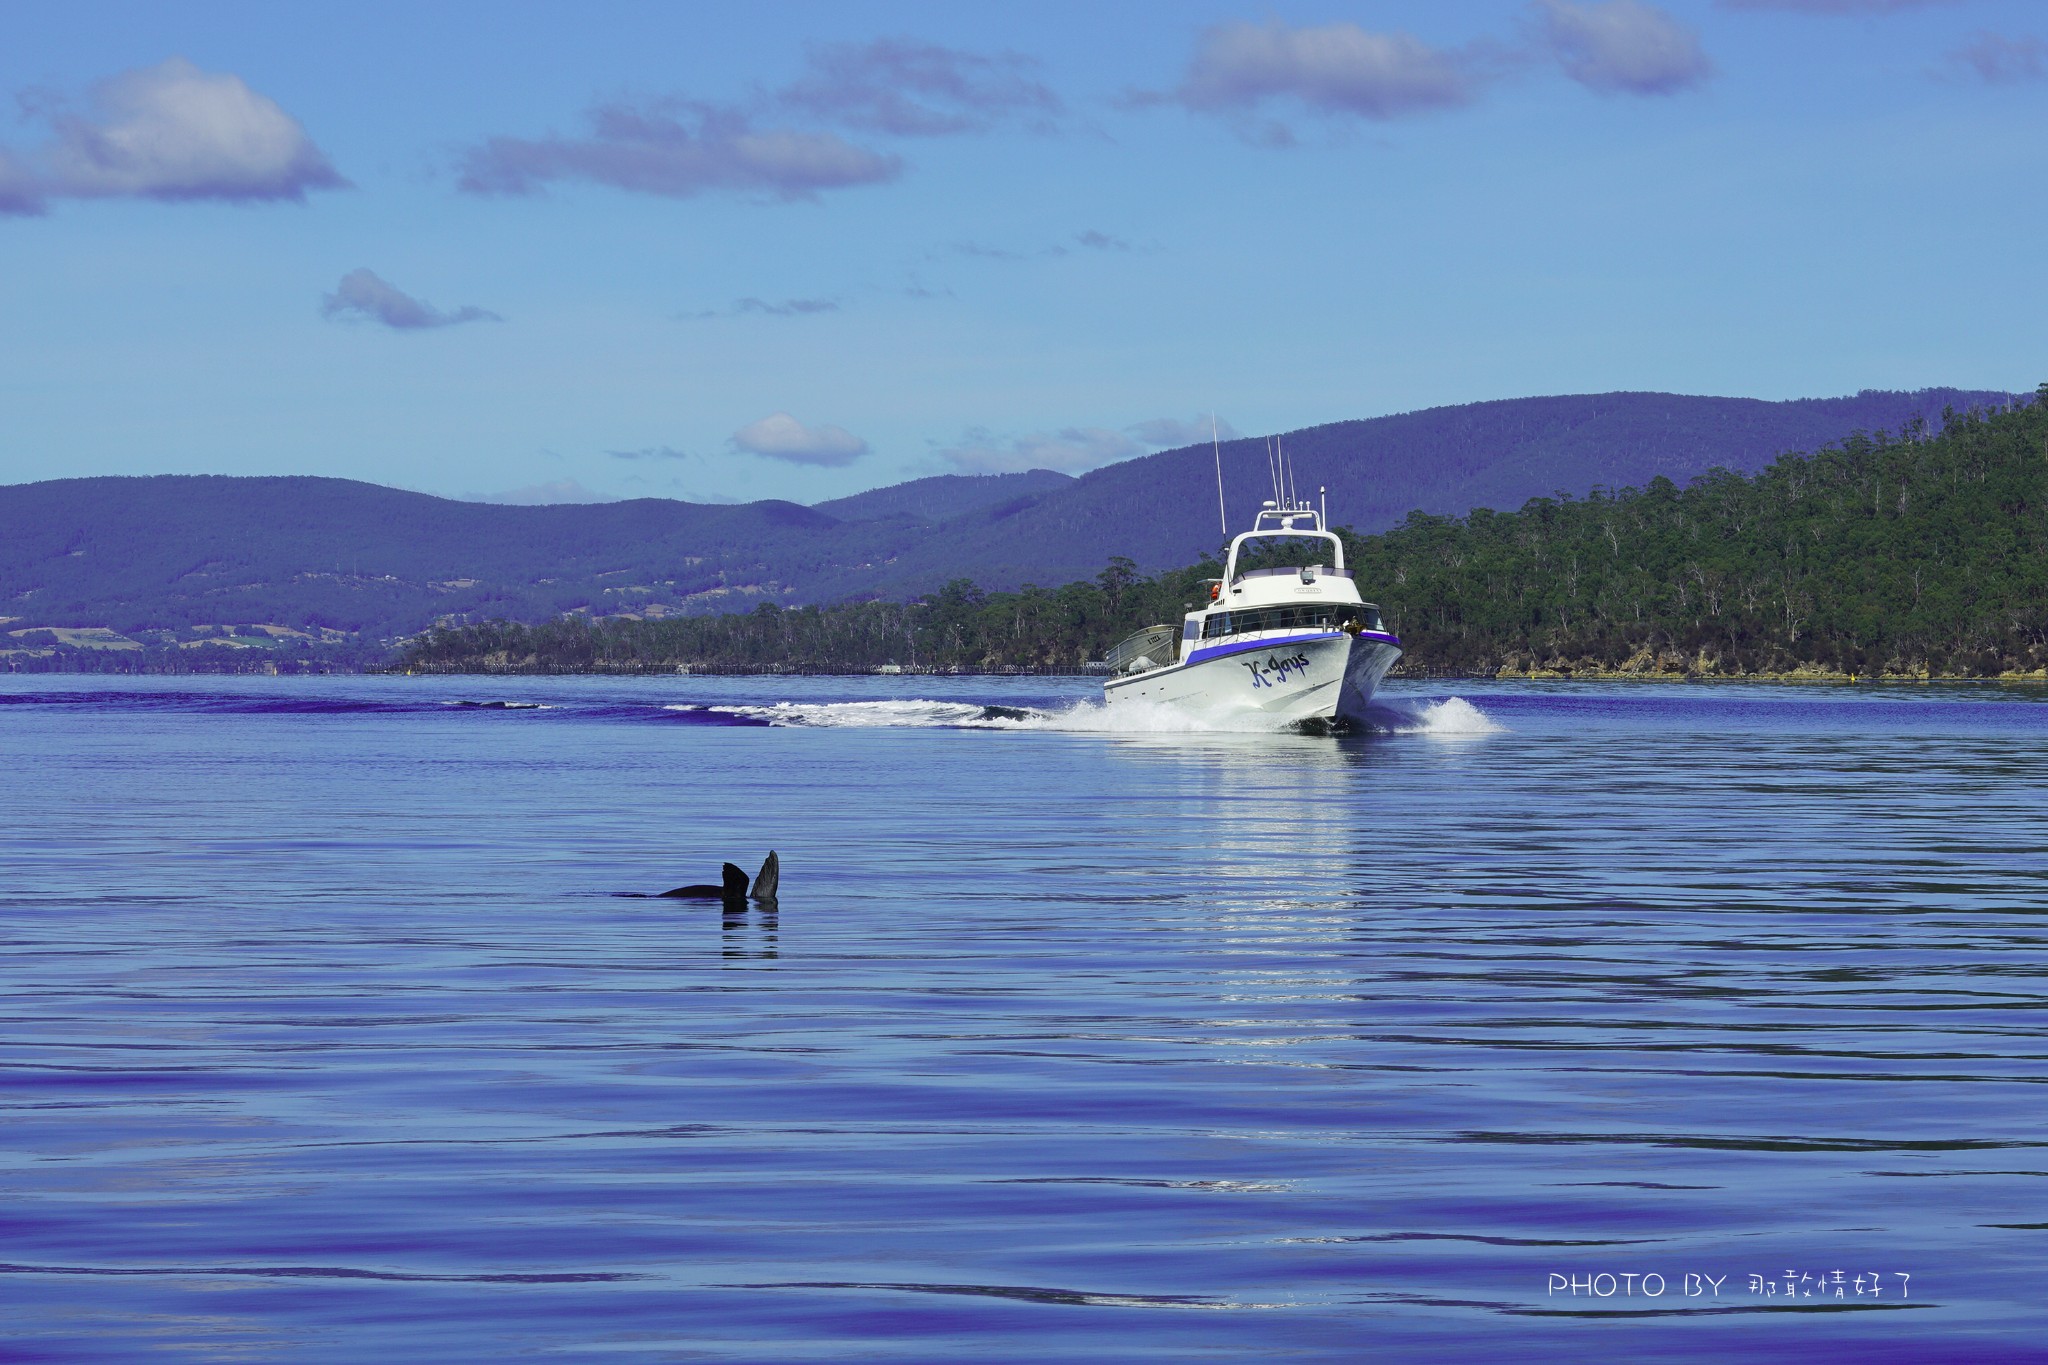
(1708, 669)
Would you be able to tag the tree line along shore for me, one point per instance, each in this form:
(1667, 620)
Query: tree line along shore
(1909, 554)
(1889, 555)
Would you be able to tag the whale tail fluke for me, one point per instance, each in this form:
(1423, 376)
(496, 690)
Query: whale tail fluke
(733, 887)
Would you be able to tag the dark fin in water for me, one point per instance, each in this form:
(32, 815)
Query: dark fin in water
(732, 888)
(732, 891)
(769, 879)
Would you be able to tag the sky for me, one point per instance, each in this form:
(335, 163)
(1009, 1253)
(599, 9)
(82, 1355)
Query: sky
(550, 252)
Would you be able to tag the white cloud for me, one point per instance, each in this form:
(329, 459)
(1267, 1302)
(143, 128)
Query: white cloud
(649, 453)
(1623, 46)
(781, 437)
(1075, 450)
(18, 192)
(678, 148)
(1996, 59)
(774, 308)
(911, 89)
(1332, 69)
(1070, 450)
(1088, 239)
(363, 295)
(175, 132)
(543, 495)
(1172, 431)
(1834, 8)
(1101, 241)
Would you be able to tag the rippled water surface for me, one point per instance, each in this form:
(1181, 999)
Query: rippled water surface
(326, 1038)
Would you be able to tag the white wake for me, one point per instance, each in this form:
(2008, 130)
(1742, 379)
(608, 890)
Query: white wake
(1451, 717)
(911, 712)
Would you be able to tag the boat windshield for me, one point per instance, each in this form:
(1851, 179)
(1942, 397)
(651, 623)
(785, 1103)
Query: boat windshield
(1307, 616)
(1258, 552)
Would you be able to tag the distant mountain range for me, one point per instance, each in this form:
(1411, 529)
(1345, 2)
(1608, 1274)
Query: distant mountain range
(173, 558)
(946, 496)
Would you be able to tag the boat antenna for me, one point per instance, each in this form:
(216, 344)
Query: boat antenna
(1216, 443)
(1286, 475)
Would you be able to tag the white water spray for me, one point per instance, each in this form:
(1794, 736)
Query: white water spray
(1451, 717)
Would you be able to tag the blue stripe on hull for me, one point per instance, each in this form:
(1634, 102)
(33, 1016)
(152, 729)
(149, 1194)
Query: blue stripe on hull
(1251, 646)
(1316, 696)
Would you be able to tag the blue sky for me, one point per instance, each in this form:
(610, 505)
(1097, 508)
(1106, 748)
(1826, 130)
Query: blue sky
(798, 250)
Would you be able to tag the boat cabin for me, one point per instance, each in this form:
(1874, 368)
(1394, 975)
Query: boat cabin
(1251, 608)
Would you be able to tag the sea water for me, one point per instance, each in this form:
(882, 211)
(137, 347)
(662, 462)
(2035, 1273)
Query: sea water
(1547, 1021)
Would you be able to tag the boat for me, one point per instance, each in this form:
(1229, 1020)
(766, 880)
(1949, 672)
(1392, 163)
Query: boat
(1280, 646)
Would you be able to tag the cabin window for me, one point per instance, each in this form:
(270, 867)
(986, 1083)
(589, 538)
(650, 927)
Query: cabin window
(1322, 616)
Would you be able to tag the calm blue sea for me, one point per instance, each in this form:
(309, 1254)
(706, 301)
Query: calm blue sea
(327, 1039)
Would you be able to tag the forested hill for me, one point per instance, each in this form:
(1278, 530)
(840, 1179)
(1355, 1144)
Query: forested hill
(946, 496)
(1881, 555)
(142, 553)
(175, 561)
(1912, 554)
(1160, 510)
(169, 553)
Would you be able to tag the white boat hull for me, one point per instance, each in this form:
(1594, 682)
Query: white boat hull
(1325, 677)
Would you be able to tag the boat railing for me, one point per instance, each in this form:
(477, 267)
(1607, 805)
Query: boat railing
(1152, 647)
(1321, 571)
